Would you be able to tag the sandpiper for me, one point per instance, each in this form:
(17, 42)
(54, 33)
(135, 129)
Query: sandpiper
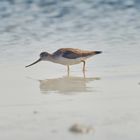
(66, 56)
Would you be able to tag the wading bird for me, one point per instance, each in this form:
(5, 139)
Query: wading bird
(67, 56)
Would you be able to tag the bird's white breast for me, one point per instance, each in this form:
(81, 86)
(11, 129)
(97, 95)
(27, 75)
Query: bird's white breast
(66, 61)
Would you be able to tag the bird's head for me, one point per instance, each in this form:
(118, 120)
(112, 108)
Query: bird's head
(43, 56)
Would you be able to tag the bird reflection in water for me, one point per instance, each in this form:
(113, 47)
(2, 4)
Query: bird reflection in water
(66, 84)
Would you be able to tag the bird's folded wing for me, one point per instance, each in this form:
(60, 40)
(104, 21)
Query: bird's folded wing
(71, 55)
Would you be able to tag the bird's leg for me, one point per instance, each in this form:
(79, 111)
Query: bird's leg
(84, 74)
(84, 63)
(68, 70)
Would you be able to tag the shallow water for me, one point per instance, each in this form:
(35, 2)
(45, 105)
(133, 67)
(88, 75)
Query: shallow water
(37, 105)
(42, 101)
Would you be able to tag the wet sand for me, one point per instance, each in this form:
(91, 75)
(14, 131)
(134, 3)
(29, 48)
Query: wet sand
(43, 103)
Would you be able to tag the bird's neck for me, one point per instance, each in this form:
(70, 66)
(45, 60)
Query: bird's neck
(51, 58)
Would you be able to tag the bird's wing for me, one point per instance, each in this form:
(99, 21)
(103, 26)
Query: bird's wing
(71, 55)
(67, 53)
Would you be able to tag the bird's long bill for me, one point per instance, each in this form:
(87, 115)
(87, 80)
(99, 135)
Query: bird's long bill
(34, 63)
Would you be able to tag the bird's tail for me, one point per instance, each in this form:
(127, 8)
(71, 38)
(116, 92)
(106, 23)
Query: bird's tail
(94, 52)
(97, 52)
(90, 53)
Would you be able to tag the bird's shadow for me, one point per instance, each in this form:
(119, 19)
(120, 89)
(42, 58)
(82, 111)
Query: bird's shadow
(66, 84)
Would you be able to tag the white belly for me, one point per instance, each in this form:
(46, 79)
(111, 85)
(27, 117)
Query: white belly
(65, 61)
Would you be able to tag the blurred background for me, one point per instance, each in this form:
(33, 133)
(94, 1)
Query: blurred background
(30, 26)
